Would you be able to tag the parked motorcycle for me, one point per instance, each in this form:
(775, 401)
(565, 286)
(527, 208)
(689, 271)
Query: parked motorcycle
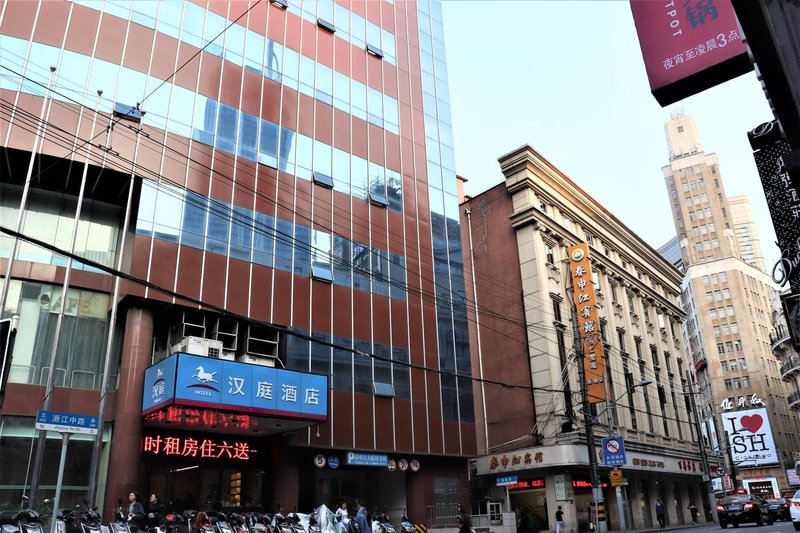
(405, 524)
(237, 523)
(28, 521)
(321, 520)
(7, 524)
(120, 523)
(381, 523)
(257, 522)
(220, 523)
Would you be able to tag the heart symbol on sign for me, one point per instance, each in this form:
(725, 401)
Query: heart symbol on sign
(752, 423)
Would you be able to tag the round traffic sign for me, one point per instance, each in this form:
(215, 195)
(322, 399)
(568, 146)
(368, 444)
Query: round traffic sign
(720, 470)
(320, 461)
(612, 446)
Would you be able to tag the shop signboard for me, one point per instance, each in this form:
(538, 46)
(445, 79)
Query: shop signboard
(791, 475)
(196, 381)
(588, 321)
(688, 46)
(750, 437)
(366, 459)
(762, 486)
(779, 170)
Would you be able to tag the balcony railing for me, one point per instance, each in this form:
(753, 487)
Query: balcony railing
(790, 367)
(779, 336)
(794, 400)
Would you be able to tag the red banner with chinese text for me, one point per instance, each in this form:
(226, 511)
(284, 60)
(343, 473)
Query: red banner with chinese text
(580, 270)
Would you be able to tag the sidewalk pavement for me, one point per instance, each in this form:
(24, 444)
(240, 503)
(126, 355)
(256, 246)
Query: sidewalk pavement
(667, 528)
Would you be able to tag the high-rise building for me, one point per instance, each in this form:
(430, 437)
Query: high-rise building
(529, 416)
(744, 230)
(277, 178)
(727, 301)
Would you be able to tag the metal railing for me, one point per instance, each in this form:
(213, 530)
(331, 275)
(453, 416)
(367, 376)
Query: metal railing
(443, 515)
(794, 400)
(790, 367)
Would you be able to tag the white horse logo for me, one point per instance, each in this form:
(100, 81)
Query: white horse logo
(204, 377)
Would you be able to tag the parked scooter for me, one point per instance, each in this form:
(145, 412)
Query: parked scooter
(175, 523)
(199, 522)
(405, 524)
(321, 520)
(7, 524)
(120, 523)
(90, 519)
(219, 523)
(28, 521)
(281, 524)
(381, 523)
(256, 522)
(237, 523)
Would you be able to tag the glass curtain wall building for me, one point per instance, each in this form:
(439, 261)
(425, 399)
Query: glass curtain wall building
(292, 205)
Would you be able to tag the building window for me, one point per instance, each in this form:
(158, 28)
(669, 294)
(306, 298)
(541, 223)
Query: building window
(723, 364)
(746, 382)
(556, 308)
(742, 363)
(643, 373)
(79, 359)
(736, 383)
(728, 385)
(549, 252)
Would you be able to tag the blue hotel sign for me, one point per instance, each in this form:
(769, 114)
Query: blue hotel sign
(183, 379)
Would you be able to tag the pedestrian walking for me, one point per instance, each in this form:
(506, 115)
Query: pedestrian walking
(560, 521)
(361, 518)
(464, 522)
(693, 510)
(660, 510)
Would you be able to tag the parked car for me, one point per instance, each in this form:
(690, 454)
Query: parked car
(742, 508)
(778, 508)
(794, 510)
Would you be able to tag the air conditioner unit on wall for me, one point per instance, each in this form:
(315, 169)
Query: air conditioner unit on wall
(202, 347)
(255, 360)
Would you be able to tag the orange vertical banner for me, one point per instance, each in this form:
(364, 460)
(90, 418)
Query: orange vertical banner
(580, 269)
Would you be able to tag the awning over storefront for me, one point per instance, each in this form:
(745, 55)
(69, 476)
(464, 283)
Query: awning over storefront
(191, 392)
(565, 455)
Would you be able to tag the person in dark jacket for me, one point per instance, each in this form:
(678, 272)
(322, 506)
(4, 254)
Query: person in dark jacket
(660, 511)
(155, 511)
(134, 506)
(464, 522)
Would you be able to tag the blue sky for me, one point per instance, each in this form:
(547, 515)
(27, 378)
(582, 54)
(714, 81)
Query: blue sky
(568, 78)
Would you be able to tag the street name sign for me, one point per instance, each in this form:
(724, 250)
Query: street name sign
(503, 481)
(66, 422)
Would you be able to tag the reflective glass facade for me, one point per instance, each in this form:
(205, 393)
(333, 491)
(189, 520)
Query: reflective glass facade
(293, 170)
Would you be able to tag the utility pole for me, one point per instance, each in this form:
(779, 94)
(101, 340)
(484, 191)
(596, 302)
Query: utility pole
(597, 491)
(731, 464)
(712, 500)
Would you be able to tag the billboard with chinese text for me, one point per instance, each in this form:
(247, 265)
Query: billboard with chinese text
(688, 45)
(588, 322)
(190, 380)
(749, 436)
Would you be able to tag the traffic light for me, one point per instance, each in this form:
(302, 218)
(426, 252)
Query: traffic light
(8, 330)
